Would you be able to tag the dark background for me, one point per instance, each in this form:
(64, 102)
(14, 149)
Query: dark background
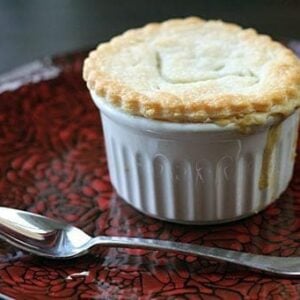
(31, 29)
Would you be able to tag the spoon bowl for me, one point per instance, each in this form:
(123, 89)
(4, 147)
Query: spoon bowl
(35, 233)
(58, 240)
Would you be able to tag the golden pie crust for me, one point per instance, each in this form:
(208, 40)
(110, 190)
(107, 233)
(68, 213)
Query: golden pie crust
(192, 70)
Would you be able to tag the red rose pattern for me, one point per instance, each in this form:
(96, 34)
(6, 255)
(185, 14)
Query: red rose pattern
(52, 162)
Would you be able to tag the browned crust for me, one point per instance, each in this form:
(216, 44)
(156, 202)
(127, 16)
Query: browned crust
(280, 93)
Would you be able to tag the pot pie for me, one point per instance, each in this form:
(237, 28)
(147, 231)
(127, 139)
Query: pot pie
(200, 118)
(197, 71)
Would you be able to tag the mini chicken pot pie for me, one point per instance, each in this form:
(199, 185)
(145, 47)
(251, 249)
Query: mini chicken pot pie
(200, 118)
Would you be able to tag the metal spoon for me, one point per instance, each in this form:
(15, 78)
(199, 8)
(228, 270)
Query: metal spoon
(55, 239)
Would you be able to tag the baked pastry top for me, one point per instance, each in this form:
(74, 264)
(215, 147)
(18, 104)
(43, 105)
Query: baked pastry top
(192, 70)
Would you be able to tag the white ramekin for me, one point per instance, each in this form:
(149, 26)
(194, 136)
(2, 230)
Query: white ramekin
(196, 173)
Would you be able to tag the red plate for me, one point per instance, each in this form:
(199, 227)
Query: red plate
(52, 162)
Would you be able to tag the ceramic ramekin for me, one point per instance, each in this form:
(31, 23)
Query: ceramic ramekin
(197, 173)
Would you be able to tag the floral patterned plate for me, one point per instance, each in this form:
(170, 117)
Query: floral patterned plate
(52, 162)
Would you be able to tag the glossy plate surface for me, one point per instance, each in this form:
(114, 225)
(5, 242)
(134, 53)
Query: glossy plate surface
(52, 162)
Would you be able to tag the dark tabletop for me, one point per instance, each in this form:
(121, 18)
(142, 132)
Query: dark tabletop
(32, 29)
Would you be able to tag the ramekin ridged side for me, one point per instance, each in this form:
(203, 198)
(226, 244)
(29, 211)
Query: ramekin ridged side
(196, 173)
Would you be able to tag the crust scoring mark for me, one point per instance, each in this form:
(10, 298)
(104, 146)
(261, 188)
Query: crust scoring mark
(219, 76)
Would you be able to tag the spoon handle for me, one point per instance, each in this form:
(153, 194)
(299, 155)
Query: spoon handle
(271, 264)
